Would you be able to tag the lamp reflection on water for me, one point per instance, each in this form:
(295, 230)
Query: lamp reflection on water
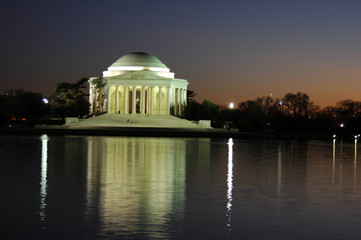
(43, 180)
(333, 159)
(340, 172)
(279, 171)
(355, 163)
(229, 183)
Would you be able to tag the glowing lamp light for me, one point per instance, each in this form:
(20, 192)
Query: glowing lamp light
(231, 105)
(46, 101)
(342, 125)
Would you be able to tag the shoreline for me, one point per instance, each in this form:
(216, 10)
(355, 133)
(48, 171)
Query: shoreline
(156, 132)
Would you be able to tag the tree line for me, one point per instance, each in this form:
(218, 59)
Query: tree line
(294, 112)
(21, 107)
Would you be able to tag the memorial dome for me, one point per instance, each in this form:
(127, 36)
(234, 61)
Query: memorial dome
(138, 59)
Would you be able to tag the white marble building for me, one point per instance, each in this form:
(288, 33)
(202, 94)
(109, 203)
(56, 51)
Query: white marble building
(138, 83)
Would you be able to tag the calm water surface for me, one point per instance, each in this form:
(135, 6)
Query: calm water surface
(76, 187)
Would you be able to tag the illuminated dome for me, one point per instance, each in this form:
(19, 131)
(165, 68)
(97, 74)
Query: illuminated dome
(138, 59)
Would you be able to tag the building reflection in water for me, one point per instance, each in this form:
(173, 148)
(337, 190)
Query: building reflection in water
(229, 183)
(137, 184)
(43, 180)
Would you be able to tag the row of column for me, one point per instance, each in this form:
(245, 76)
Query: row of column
(96, 101)
(179, 101)
(153, 100)
(126, 100)
(92, 100)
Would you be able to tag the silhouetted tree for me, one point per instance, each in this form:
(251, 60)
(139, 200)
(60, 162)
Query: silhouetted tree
(204, 111)
(348, 112)
(260, 112)
(71, 99)
(251, 112)
(300, 111)
(298, 105)
(190, 95)
(326, 119)
(18, 104)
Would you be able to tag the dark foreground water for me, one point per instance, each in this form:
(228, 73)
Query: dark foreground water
(69, 187)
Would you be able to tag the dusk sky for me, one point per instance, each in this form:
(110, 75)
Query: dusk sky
(229, 51)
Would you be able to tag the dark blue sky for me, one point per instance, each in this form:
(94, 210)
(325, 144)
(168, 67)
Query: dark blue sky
(227, 50)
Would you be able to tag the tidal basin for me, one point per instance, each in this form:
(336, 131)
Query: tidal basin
(93, 187)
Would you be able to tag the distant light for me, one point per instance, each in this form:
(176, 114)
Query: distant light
(334, 136)
(231, 105)
(342, 125)
(46, 101)
(281, 103)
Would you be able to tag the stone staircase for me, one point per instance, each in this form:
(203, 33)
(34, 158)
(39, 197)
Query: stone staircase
(136, 120)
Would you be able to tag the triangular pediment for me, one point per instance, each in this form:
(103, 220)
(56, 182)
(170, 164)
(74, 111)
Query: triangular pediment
(138, 75)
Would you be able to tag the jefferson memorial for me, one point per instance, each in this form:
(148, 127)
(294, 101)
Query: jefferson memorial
(138, 83)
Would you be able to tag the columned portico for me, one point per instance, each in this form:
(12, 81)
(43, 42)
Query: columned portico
(139, 83)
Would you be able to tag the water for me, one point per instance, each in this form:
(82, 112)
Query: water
(76, 187)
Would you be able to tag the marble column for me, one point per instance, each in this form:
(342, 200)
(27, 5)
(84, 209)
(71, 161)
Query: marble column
(177, 101)
(180, 102)
(151, 98)
(126, 94)
(91, 99)
(109, 100)
(116, 99)
(184, 98)
(134, 94)
(168, 101)
(160, 100)
(142, 98)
